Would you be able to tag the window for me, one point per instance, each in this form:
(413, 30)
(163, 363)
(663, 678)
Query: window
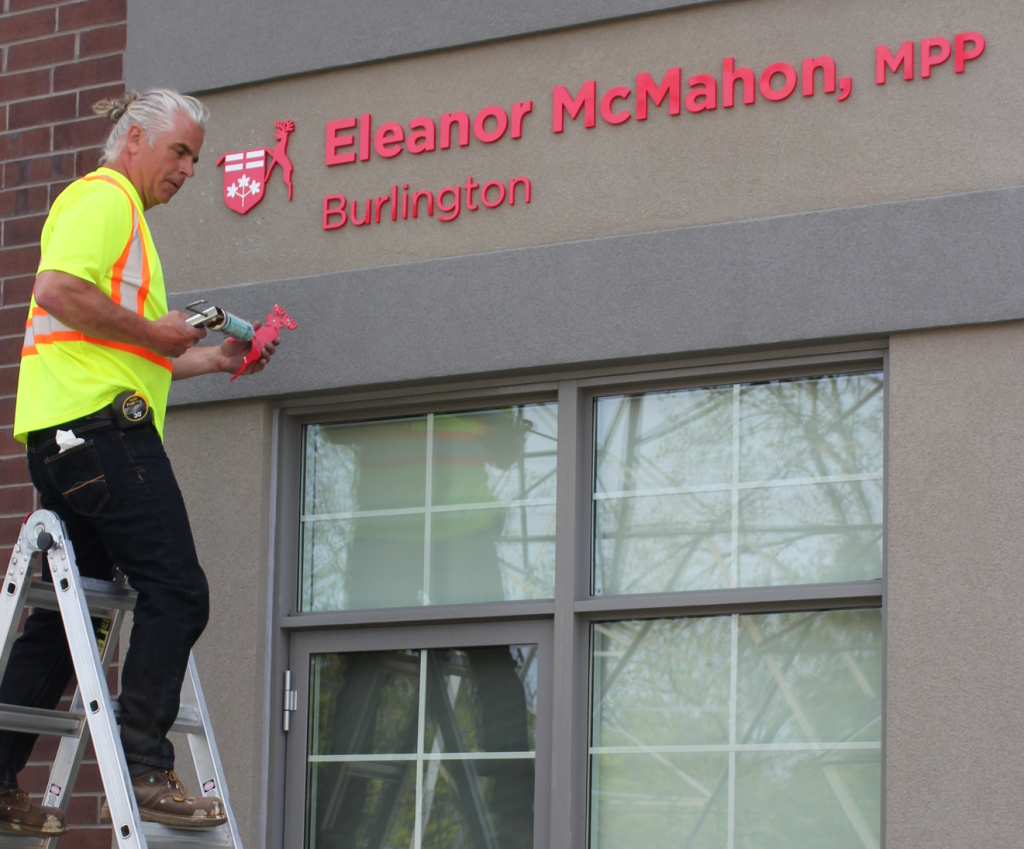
(436, 509)
(739, 486)
(738, 730)
(422, 748)
(698, 662)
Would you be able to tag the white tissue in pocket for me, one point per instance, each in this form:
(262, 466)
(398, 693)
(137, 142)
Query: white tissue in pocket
(66, 439)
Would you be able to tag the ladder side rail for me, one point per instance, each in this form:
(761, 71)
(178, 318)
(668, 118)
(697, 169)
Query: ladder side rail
(71, 750)
(93, 685)
(205, 755)
(16, 585)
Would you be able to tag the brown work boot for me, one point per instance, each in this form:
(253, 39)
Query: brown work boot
(162, 798)
(20, 814)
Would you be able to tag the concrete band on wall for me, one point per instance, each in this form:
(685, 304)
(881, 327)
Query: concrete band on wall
(870, 270)
(195, 45)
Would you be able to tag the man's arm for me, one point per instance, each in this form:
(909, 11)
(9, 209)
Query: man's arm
(226, 357)
(83, 307)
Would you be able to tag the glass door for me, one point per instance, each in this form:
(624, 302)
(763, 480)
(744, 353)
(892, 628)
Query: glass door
(429, 737)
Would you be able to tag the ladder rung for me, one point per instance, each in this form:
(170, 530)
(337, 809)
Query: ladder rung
(157, 836)
(65, 724)
(29, 720)
(101, 596)
(163, 837)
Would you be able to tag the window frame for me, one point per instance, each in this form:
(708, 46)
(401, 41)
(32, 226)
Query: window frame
(574, 609)
(418, 637)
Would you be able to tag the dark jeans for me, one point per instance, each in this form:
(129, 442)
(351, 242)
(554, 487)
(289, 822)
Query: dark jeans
(121, 504)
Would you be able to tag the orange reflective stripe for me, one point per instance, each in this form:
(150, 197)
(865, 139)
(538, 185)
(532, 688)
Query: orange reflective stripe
(146, 354)
(32, 313)
(28, 351)
(118, 271)
(75, 336)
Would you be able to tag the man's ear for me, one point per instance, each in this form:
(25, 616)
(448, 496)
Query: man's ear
(135, 139)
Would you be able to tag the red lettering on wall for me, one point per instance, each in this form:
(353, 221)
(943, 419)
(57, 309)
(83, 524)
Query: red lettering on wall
(335, 142)
(480, 124)
(471, 186)
(421, 136)
(425, 193)
(512, 190)
(501, 193)
(610, 117)
(828, 68)
(731, 76)
(703, 95)
(449, 118)
(929, 59)
(452, 209)
(671, 85)
(845, 88)
(788, 87)
(965, 55)
(339, 211)
(356, 221)
(562, 102)
(884, 59)
(388, 141)
(364, 136)
(520, 111)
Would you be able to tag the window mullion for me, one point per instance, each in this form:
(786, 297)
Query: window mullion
(571, 633)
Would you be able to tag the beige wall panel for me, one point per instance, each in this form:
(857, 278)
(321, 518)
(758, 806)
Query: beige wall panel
(956, 589)
(947, 134)
(221, 457)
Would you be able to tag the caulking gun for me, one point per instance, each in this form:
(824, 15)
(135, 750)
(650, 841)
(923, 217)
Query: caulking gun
(219, 319)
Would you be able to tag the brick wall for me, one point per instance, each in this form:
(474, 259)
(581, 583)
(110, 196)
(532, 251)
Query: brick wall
(56, 60)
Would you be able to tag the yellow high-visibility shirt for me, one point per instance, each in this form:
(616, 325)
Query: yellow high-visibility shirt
(95, 231)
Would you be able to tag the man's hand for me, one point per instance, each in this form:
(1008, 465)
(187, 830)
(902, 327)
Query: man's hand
(232, 352)
(225, 357)
(172, 336)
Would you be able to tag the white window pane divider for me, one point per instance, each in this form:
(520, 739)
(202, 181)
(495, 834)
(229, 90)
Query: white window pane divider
(420, 734)
(742, 485)
(427, 500)
(722, 748)
(408, 757)
(430, 508)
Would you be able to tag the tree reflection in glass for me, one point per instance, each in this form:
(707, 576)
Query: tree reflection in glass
(422, 749)
(437, 509)
(744, 485)
(737, 731)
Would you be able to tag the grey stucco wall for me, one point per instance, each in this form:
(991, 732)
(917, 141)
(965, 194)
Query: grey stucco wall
(196, 45)
(948, 134)
(852, 272)
(955, 756)
(221, 458)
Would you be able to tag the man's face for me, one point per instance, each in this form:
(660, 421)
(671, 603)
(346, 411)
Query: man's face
(164, 167)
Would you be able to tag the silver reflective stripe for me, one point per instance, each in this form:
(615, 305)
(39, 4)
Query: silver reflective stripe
(131, 276)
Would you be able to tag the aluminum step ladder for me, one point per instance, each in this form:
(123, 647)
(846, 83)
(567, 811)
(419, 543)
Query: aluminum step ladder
(93, 713)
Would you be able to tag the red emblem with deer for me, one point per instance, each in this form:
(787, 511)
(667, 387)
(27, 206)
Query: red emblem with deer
(246, 172)
(277, 320)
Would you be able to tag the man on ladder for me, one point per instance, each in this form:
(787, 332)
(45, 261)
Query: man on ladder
(99, 328)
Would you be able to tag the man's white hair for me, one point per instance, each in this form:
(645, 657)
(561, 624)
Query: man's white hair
(153, 111)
